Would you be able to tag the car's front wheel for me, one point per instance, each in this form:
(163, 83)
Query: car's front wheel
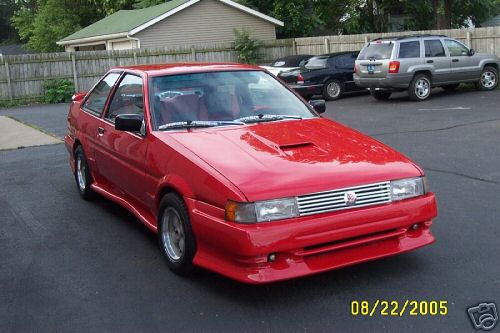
(175, 236)
(82, 174)
(380, 95)
(489, 78)
(420, 88)
(333, 90)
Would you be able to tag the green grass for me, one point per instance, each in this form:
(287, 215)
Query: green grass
(19, 102)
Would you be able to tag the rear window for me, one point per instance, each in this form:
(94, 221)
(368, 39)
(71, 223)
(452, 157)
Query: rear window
(316, 62)
(377, 51)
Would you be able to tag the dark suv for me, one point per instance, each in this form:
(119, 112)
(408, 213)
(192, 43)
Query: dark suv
(418, 63)
(329, 75)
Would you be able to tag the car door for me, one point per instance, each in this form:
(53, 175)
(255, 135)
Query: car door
(120, 156)
(435, 56)
(344, 65)
(89, 120)
(463, 66)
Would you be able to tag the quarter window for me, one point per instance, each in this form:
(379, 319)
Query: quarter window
(97, 99)
(345, 61)
(434, 48)
(456, 49)
(128, 98)
(409, 50)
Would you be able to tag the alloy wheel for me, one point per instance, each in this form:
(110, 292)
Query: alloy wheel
(80, 173)
(488, 79)
(422, 88)
(173, 236)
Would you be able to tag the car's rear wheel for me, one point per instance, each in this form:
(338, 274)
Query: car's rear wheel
(333, 90)
(175, 235)
(82, 174)
(420, 88)
(489, 78)
(380, 95)
(450, 87)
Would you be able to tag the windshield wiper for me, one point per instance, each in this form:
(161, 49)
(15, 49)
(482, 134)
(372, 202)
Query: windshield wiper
(266, 117)
(198, 124)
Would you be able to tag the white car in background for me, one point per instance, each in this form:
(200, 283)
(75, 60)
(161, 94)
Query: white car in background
(287, 63)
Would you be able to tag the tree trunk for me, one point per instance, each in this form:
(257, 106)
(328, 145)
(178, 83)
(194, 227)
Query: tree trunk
(442, 12)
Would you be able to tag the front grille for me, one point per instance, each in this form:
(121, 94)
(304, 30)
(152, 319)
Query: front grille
(329, 201)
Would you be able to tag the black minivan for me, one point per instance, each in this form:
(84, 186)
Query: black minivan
(330, 75)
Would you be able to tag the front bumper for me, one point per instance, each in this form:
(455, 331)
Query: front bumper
(311, 244)
(391, 81)
(307, 90)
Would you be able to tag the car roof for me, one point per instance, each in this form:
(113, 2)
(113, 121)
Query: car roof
(337, 54)
(188, 67)
(395, 38)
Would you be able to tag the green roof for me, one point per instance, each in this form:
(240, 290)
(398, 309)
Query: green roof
(124, 21)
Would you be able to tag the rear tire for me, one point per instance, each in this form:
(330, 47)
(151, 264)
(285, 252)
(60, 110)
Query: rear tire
(82, 175)
(175, 236)
(450, 87)
(489, 79)
(333, 90)
(420, 88)
(380, 95)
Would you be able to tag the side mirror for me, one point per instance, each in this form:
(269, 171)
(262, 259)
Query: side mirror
(78, 97)
(129, 122)
(472, 52)
(319, 105)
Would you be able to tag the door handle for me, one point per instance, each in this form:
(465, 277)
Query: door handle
(455, 60)
(100, 131)
(430, 61)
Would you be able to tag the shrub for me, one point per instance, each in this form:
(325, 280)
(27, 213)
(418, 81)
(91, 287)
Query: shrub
(58, 91)
(247, 48)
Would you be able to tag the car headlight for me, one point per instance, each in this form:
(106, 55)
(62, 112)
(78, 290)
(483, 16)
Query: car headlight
(261, 211)
(408, 188)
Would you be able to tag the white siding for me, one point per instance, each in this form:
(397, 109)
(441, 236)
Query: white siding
(207, 21)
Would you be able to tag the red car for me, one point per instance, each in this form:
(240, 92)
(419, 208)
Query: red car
(239, 175)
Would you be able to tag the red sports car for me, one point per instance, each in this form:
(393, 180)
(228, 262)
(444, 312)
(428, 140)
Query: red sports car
(239, 175)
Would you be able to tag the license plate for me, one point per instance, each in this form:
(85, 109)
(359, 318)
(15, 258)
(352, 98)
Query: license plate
(371, 69)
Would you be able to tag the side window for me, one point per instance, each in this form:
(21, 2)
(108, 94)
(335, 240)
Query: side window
(409, 50)
(128, 98)
(97, 99)
(345, 61)
(456, 49)
(434, 48)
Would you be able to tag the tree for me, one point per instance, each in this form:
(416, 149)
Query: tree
(148, 3)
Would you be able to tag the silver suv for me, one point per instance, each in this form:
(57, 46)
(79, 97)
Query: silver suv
(418, 63)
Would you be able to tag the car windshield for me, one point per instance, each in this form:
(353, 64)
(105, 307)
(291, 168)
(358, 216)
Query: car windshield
(316, 62)
(222, 99)
(377, 51)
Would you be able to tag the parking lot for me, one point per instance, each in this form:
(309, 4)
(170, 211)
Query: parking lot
(74, 266)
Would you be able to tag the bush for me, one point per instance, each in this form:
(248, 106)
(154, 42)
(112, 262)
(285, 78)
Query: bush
(58, 91)
(247, 48)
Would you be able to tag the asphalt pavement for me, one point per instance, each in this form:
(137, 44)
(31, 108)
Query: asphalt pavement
(67, 265)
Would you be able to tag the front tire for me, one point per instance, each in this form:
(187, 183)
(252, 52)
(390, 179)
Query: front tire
(420, 88)
(489, 79)
(175, 235)
(333, 90)
(82, 175)
(380, 95)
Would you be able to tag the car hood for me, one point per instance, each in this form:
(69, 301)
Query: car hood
(296, 157)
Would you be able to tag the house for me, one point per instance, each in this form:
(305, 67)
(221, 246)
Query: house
(171, 24)
(493, 22)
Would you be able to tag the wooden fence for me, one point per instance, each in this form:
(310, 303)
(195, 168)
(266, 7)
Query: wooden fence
(22, 77)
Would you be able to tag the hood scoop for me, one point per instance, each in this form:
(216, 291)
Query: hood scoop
(297, 145)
